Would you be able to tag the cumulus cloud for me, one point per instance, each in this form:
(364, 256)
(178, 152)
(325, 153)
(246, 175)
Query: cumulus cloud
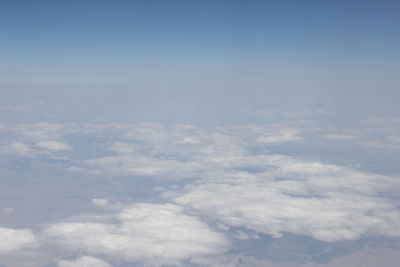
(326, 202)
(152, 233)
(15, 239)
(84, 261)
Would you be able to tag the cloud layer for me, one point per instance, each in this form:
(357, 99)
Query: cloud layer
(203, 192)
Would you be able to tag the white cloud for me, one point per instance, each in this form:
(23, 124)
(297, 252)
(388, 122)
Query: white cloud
(28, 150)
(283, 136)
(54, 145)
(145, 233)
(15, 239)
(244, 236)
(84, 261)
(238, 184)
(189, 140)
(38, 131)
(149, 132)
(170, 159)
(283, 194)
(326, 202)
(100, 202)
(16, 108)
(137, 165)
(19, 148)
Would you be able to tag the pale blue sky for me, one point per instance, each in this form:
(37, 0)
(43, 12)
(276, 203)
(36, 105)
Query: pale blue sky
(291, 55)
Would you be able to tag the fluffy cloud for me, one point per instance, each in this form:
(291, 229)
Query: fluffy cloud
(15, 239)
(266, 193)
(84, 261)
(153, 233)
(326, 202)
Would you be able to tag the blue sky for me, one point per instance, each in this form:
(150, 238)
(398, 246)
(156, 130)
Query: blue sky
(343, 54)
(199, 133)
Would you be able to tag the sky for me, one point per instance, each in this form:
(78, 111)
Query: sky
(199, 133)
(341, 54)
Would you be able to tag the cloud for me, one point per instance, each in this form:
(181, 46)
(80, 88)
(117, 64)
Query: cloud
(37, 131)
(84, 261)
(99, 202)
(138, 165)
(8, 211)
(177, 157)
(372, 256)
(54, 145)
(19, 149)
(144, 233)
(235, 182)
(16, 108)
(15, 239)
(32, 140)
(283, 136)
(323, 201)
(188, 140)
(341, 136)
(28, 150)
(171, 159)
(266, 193)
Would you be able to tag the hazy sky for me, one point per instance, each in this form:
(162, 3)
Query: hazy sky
(343, 55)
(199, 133)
